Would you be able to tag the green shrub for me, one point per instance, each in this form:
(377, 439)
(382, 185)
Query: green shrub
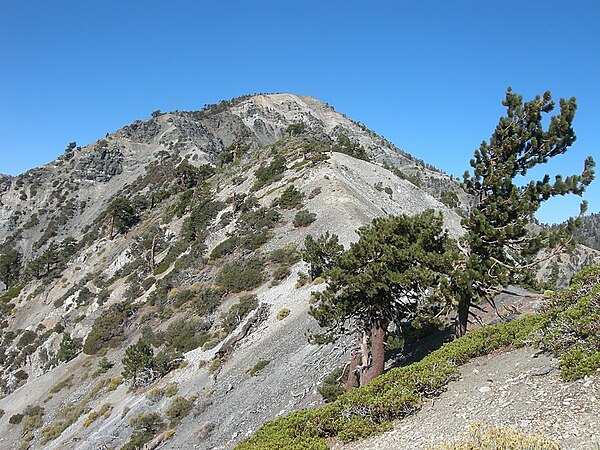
(290, 198)
(224, 248)
(450, 198)
(146, 426)
(108, 328)
(268, 174)
(69, 348)
(570, 329)
(11, 293)
(15, 419)
(241, 275)
(354, 149)
(303, 218)
(331, 387)
(260, 365)
(67, 382)
(285, 255)
(177, 410)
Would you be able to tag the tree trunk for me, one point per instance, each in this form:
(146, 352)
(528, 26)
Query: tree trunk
(377, 354)
(111, 225)
(151, 258)
(234, 204)
(353, 370)
(235, 152)
(464, 305)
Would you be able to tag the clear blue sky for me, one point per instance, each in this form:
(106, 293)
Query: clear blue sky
(429, 76)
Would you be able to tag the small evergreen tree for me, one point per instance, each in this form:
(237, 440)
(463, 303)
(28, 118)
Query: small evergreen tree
(69, 348)
(500, 245)
(121, 216)
(395, 272)
(322, 253)
(138, 361)
(10, 266)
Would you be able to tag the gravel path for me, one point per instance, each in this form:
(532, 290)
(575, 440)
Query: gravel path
(519, 389)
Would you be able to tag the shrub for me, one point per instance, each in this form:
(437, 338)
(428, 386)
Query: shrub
(224, 248)
(354, 149)
(450, 198)
(286, 255)
(146, 426)
(15, 419)
(67, 382)
(481, 436)
(214, 366)
(304, 218)
(241, 275)
(268, 174)
(27, 337)
(177, 410)
(283, 313)
(571, 329)
(290, 198)
(69, 348)
(331, 387)
(260, 365)
(108, 328)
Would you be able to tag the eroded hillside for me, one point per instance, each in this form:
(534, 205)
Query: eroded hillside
(184, 232)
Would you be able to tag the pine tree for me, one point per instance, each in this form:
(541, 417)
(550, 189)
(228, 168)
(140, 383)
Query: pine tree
(10, 266)
(321, 254)
(121, 216)
(394, 273)
(69, 348)
(137, 361)
(501, 246)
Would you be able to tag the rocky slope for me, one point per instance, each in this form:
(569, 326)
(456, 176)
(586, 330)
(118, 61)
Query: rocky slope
(89, 279)
(184, 230)
(520, 389)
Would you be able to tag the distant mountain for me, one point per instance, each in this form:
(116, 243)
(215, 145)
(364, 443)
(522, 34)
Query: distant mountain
(589, 232)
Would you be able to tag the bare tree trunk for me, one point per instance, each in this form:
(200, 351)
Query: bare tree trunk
(234, 203)
(151, 259)
(377, 354)
(464, 305)
(353, 376)
(235, 152)
(111, 224)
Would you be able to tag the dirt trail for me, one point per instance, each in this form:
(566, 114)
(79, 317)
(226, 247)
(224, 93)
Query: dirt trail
(520, 389)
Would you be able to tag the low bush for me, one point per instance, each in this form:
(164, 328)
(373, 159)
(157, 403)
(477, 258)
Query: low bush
(571, 327)
(238, 312)
(241, 275)
(331, 387)
(177, 410)
(290, 198)
(481, 436)
(108, 328)
(303, 218)
(260, 365)
(283, 313)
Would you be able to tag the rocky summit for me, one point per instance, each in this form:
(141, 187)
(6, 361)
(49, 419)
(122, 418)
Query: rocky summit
(153, 290)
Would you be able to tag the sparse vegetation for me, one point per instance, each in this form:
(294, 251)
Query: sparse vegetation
(242, 275)
(260, 365)
(483, 437)
(304, 218)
